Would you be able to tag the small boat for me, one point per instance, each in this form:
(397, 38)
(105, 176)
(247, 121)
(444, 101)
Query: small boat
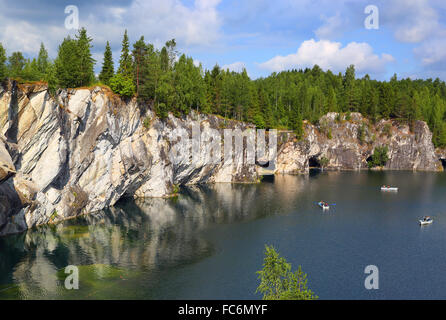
(426, 220)
(389, 188)
(323, 205)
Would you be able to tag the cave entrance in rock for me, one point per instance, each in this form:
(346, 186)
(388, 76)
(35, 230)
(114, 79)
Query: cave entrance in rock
(313, 163)
(443, 162)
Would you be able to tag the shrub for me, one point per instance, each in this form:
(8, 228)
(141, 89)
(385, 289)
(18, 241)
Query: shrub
(338, 118)
(361, 133)
(122, 85)
(277, 282)
(387, 130)
(348, 117)
(146, 122)
(379, 157)
(323, 161)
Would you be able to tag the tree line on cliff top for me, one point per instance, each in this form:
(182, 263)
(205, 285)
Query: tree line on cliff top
(173, 82)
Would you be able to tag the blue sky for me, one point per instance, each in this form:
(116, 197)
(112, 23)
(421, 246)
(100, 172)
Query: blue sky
(262, 36)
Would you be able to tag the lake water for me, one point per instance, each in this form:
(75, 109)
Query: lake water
(208, 243)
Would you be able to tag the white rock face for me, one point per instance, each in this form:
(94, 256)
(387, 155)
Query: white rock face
(6, 164)
(83, 150)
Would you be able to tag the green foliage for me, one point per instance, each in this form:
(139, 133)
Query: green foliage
(338, 118)
(278, 282)
(325, 129)
(146, 122)
(3, 70)
(387, 130)
(122, 85)
(84, 59)
(16, 63)
(361, 133)
(54, 215)
(379, 157)
(66, 64)
(107, 71)
(43, 61)
(74, 62)
(125, 61)
(51, 78)
(282, 100)
(323, 161)
(348, 116)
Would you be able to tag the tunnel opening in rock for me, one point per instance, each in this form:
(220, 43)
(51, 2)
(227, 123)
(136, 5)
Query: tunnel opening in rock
(263, 164)
(443, 163)
(313, 163)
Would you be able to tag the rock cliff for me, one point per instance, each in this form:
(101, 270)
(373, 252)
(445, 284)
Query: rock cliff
(347, 144)
(84, 149)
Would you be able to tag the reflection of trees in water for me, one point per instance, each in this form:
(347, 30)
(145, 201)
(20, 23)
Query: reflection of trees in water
(143, 234)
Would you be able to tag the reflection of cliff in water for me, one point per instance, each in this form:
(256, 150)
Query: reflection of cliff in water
(144, 234)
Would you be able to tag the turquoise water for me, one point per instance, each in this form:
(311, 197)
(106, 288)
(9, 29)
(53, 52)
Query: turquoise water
(208, 243)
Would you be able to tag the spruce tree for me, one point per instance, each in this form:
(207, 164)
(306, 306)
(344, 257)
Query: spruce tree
(107, 71)
(164, 59)
(66, 64)
(84, 59)
(125, 61)
(42, 60)
(16, 63)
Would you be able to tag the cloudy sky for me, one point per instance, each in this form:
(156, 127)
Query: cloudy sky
(261, 35)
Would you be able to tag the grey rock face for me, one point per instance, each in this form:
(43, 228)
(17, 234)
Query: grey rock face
(348, 144)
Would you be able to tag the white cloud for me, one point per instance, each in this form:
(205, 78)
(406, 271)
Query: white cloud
(330, 55)
(192, 26)
(432, 54)
(195, 25)
(333, 26)
(236, 66)
(413, 21)
(17, 35)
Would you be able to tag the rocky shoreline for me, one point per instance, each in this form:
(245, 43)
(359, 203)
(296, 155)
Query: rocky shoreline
(348, 144)
(84, 149)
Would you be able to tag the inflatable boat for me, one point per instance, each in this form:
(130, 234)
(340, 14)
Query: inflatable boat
(426, 220)
(388, 188)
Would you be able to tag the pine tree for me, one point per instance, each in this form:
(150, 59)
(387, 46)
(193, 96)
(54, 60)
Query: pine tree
(107, 71)
(139, 56)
